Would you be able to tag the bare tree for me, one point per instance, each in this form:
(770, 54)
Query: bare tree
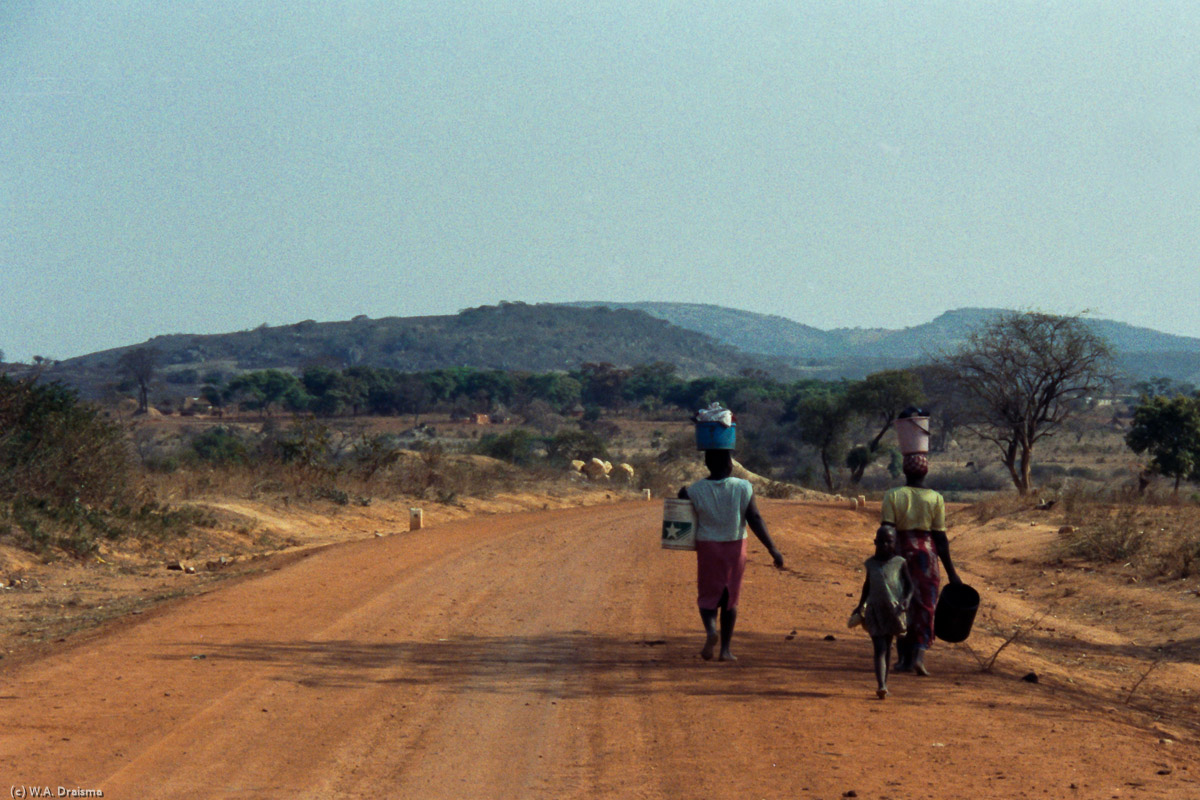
(139, 366)
(1023, 374)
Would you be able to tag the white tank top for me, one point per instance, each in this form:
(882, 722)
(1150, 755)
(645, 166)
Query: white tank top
(721, 508)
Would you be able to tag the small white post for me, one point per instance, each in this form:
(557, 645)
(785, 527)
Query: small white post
(646, 493)
(416, 519)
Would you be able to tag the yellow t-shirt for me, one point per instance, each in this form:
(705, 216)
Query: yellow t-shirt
(913, 509)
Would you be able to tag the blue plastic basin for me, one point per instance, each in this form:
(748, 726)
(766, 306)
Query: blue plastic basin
(715, 436)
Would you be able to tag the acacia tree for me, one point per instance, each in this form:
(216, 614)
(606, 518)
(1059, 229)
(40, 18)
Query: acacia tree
(822, 420)
(139, 366)
(879, 398)
(1023, 375)
(1169, 429)
(603, 384)
(267, 388)
(411, 395)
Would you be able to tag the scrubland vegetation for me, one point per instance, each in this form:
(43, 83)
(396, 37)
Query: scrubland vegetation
(1156, 536)
(66, 480)
(74, 474)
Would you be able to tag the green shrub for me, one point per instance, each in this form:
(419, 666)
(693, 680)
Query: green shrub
(962, 479)
(1045, 472)
(58, 451)
(1179, 556)
(373, 453)
(182, 376)
(895, 463)
(305, 443)
(162, 464)
(220, 445)
(66, 476)
(333, 493)
(1086, 473)
(518, 446)
(569, 445)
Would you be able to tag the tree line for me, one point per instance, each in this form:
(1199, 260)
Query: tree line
(66, 478)
(1014, 382)
(324, 391)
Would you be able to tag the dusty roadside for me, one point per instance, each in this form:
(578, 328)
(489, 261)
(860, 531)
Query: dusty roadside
(46, 602)
(1103, 634)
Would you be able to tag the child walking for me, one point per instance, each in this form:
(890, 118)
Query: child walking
(883, 607)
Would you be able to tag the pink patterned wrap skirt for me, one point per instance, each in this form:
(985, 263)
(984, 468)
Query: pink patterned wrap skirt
(719, 567)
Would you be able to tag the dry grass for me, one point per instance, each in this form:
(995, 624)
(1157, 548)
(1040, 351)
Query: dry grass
(1157, 539)
(430, 475)
(1119, 536)
(778, 490)
(1000, 505)
(1007, 634)
(661, 477)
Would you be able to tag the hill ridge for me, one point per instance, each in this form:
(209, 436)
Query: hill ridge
(699, 339)
(947, 327)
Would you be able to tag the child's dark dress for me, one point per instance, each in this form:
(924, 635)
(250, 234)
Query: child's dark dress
(882, 613)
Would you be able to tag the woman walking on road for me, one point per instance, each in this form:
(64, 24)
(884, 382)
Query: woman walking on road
(919, 516)
(724, 507)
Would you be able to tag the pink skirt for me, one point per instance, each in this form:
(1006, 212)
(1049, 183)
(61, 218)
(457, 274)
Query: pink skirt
(719, 567)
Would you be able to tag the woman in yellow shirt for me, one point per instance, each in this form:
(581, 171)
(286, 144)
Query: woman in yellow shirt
(919, 515)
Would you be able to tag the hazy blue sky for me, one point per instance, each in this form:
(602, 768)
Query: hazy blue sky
(209, 166)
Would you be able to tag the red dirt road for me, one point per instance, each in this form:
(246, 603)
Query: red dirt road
(550, 655)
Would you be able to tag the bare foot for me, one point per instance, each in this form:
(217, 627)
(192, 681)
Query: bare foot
(727, 656)
(881, 694)
(710, 644)
(921, 670)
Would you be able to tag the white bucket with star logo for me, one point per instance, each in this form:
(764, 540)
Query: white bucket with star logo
(679, 525)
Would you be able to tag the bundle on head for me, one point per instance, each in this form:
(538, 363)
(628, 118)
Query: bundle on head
(916, 465)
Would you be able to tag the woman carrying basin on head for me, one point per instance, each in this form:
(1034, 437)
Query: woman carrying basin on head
(919, 515)
(724, 508)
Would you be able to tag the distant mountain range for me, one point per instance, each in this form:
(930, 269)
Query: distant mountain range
(1140, 353)
(511, 336)
(698, 339)
(779, 336)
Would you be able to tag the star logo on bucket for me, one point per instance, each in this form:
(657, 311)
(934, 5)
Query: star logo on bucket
(676, 530)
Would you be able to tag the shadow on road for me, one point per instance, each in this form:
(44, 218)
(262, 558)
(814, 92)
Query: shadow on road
(560, 664)
(1185, 651)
